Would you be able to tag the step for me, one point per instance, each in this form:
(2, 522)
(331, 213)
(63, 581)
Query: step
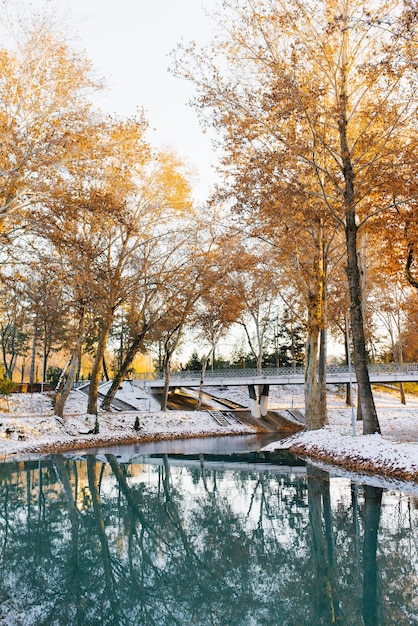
(220, 418)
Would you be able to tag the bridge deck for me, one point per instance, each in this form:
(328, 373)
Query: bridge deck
(337, 375)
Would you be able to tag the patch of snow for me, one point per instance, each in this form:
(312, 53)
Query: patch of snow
(28, 424)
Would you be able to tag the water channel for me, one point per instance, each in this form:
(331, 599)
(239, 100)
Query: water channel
(186, 533)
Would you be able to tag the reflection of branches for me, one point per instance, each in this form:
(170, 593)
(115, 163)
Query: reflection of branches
(61, 473)
(100, 527)
(127, 492)
(203, 474)
(172, 512)
(41, 497)
(145, 527)
(176, 553)
(6, 520)
(198, 566)
(252, 499)
(323, 545)
(372, 508)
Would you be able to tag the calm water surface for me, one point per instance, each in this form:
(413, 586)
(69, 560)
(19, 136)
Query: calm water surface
(141, 537)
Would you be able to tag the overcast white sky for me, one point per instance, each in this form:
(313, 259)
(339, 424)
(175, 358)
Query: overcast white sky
(129, 42)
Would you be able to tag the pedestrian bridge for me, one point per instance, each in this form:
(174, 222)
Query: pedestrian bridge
(335, 375)
(252, 378)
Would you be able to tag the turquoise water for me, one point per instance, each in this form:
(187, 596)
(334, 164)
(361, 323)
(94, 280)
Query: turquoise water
(93, 540)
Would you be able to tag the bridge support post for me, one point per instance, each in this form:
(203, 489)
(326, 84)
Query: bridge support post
(254, 406)
(264, 400)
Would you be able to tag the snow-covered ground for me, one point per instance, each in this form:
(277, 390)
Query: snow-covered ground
(28, 425)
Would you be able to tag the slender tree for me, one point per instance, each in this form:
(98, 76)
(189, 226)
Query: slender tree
(44, 106)
(330, 91)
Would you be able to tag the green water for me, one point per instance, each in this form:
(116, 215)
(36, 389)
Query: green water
(161, 541)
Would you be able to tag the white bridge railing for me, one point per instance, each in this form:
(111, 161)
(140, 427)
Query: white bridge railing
(376, 369)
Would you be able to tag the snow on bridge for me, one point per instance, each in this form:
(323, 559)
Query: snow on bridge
(336, 375)
(252, 378)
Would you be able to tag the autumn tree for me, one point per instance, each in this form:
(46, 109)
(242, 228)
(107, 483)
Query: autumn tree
(256, 286)
(163, 203)
(96, 223)
(330, 91)
(195, 274)
(409, 335)
(284, 212)
(219, 307)
(44, 290)
(14, 326)
(44, 106)
(301, 249)
(289, 332)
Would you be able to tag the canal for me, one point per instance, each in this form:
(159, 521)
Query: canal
(204, 533)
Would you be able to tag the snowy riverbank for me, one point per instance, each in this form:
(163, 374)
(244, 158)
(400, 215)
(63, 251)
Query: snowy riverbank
(28, 426)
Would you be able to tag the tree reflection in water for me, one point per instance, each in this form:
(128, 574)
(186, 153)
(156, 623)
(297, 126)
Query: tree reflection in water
(95, 542)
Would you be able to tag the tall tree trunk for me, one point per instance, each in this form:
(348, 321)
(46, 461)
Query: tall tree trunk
(167, 374)
(348, 398)
(170, 344)
(402, 392)
(401, 387)
(359, 416)
(322, 366)
(5, 344)
(61, 398)
(64, 391)
(260, 364)
(33, 352)
(322, 375)
(98, 362)
(133, 350)
(315, 356)
(105, 372)
(61, 381)
(202, 380)
(315, 388)
(311, 379)
(366, 401)
(365, 395)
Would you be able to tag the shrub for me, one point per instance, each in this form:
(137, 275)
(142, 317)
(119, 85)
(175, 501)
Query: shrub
(6, 387)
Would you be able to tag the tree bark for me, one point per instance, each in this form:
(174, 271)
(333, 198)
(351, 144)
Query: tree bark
(170, 344)
(133, 350)
(33, 353)
(97, 365)
(202, 380)
(348, 398)
(315, 354)
(167, 373)
(365, 395)
(105, 372)
(366, 401)
(315, 387)
(63, 393)
(322, 375)
(402, 393)
(311, 381)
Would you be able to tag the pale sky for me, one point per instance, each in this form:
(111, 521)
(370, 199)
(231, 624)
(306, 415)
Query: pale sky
(129, 42)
